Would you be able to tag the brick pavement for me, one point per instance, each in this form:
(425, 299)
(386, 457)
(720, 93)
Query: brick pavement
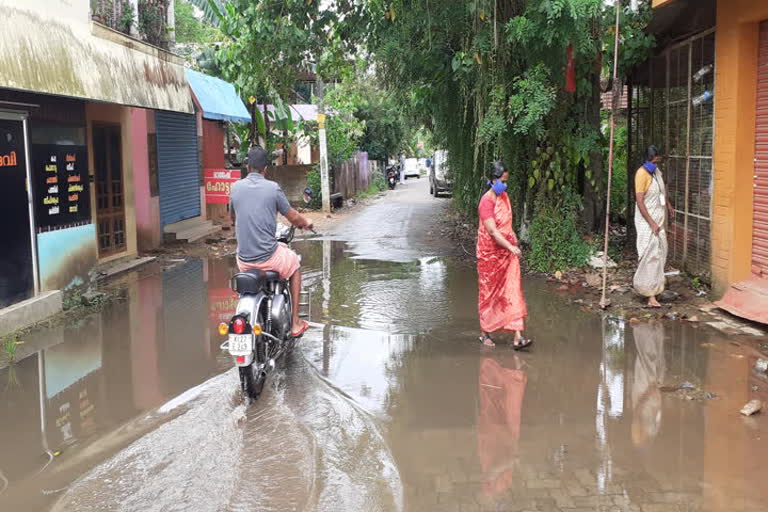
(570, 491)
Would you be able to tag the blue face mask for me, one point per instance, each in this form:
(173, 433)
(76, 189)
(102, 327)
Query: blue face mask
(499, 187)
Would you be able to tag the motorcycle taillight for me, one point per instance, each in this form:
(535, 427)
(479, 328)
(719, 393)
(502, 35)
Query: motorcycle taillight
(238, 325)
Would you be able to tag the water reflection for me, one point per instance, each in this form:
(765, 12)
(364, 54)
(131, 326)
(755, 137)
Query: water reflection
(648, 377)
(72, 385)
(501, 392)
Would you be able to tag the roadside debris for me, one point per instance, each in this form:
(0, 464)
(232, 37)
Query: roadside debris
(761, 366)
(752, 407)
(92, 298)
(596, 261)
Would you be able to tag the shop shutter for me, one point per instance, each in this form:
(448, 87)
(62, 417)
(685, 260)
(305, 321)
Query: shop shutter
(760, 208)
(178, 167)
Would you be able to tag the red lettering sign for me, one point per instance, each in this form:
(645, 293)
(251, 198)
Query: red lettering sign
(217, 185)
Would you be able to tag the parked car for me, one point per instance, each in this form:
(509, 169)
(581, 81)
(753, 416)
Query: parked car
(439, 174)
(412, 167)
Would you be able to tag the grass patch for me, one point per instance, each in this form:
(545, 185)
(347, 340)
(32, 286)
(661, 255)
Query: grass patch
(10, 344)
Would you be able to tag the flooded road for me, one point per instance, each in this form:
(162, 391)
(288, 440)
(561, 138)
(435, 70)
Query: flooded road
(389, 405)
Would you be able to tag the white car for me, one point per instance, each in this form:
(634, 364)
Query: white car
(412, 167)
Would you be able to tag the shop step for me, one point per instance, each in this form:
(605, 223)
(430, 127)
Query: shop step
(197, 233)
(185, 224)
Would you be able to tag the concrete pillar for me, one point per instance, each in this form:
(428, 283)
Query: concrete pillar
(171, 23)
(135, 26)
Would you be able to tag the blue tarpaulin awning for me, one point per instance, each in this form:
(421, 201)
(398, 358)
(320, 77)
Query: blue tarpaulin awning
(217, 98)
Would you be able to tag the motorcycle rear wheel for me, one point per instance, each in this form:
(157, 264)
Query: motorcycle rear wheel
(251, 377)
(252, 381)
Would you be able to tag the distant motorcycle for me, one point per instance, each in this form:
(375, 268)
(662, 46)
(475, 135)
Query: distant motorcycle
(259, 333)
(392, 176)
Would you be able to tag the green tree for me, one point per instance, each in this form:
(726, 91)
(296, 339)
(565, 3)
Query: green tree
(190, 29)
(488, 78)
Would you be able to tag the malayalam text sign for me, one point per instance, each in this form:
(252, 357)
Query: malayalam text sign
(218, 183)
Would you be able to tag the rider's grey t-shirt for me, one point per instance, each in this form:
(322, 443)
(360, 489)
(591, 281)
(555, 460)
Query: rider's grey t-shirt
(256, 202)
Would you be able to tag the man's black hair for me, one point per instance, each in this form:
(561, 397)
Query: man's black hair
(257, 159)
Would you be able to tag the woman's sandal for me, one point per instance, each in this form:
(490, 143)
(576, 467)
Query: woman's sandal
(523, 344)
(486, 337)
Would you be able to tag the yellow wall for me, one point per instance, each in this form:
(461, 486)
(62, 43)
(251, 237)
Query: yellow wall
(115, 114)
(735, 98)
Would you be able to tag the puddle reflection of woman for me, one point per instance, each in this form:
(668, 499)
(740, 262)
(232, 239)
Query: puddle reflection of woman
(501, 402)
(500, 302)
(650, 369)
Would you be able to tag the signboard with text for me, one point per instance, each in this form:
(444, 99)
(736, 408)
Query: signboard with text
(218, 183)
(222, 304)
(60, 181)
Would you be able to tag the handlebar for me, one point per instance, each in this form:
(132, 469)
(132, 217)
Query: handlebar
(292, 232)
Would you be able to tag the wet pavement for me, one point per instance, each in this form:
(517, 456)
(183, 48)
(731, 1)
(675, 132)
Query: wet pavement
(388, 405)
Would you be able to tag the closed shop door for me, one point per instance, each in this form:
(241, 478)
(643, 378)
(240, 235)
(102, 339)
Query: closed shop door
(16, 270)
(178, 167)
(110, 204)
(760, 225)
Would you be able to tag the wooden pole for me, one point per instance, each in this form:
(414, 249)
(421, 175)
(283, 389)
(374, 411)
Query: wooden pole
(604, 302)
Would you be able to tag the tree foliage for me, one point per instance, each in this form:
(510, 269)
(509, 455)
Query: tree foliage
(189, 29)
(489, 76)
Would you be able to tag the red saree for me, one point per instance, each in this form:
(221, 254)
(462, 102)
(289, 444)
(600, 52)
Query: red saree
(500, 301)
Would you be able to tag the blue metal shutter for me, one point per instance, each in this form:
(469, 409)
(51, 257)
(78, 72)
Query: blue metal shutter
(177, 167)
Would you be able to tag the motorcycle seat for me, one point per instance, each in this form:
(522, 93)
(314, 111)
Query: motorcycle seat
(253, 281)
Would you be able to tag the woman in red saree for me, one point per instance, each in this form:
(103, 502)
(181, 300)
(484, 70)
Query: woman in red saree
(500, 302)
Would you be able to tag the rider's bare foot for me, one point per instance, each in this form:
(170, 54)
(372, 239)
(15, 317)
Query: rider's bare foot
(653, 303)
(299, 328)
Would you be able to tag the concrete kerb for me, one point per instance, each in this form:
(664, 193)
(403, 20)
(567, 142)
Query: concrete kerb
(31, 311)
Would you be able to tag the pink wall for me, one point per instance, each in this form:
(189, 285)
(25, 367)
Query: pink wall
(147, 207)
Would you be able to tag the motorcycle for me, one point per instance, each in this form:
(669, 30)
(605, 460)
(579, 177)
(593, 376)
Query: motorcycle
(259, 333)
(392, 177)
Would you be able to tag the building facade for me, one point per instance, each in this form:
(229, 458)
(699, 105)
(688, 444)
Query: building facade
(75, 97)
(703, 97)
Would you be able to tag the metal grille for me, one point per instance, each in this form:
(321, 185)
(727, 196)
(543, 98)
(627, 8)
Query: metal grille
(674, 110)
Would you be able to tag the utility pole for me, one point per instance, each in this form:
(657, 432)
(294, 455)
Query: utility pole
(604, 301)
(325, 185)
(325, 182)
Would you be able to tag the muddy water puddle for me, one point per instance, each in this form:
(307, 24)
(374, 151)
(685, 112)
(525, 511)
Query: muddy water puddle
(388, 404)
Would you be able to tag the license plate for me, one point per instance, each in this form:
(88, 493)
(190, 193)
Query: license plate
(240, 343)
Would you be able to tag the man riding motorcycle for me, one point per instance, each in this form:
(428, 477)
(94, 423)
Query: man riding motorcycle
(254, 205)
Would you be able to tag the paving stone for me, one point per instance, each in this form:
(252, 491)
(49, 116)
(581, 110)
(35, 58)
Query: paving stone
(537, 493)
(659, 507)
(543, 484)
(585, 477)
(574, 488)
(671, 497)
(562, 499)
(546, 505)
(443, 483)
